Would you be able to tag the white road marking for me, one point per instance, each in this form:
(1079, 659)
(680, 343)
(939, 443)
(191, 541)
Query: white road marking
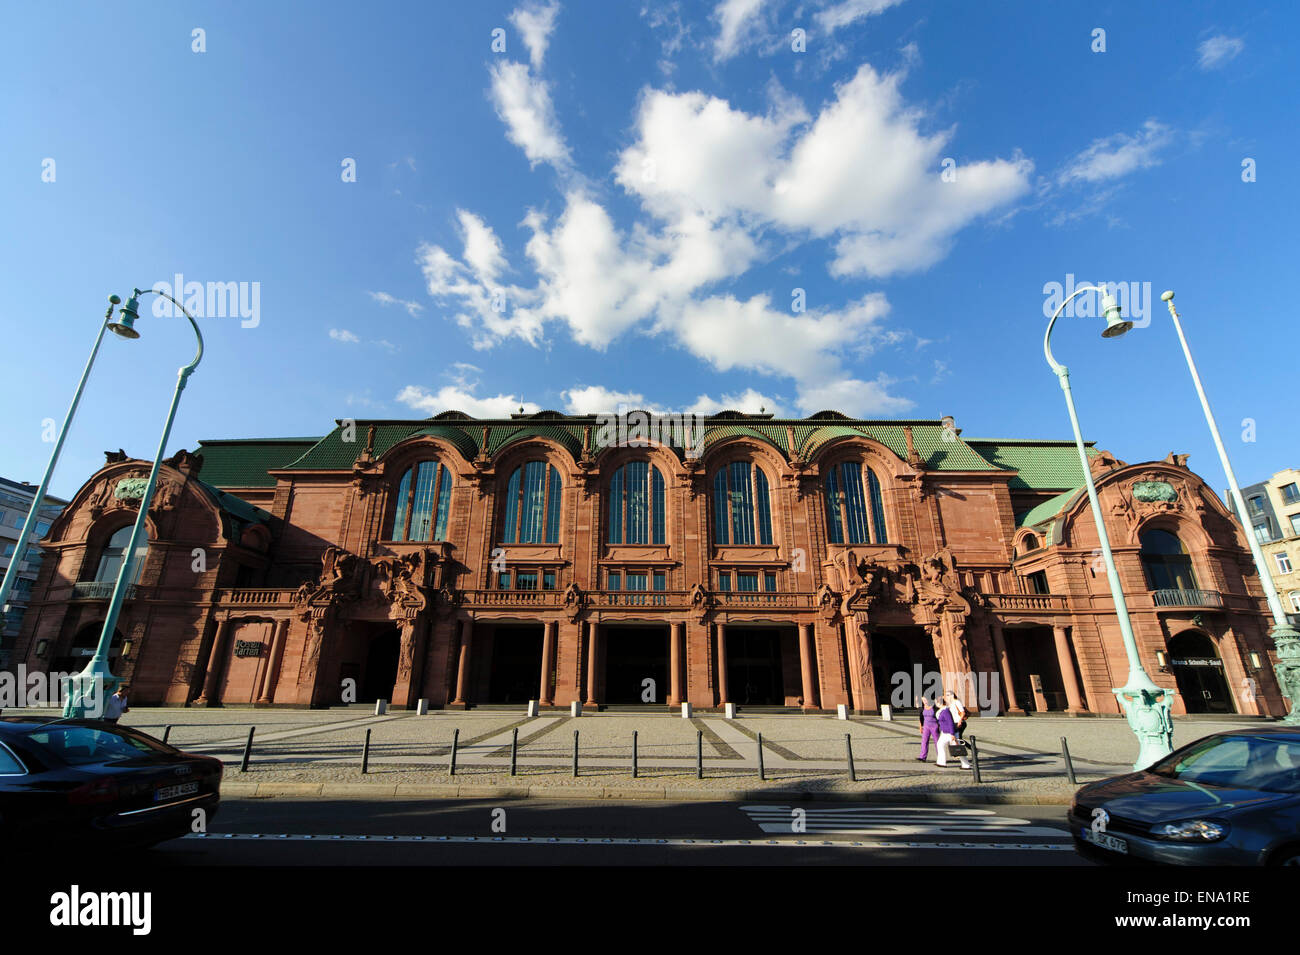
(598, 841)
(896, 821)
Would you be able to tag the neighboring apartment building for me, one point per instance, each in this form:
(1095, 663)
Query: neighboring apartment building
(1273, 509)
(796, 563)
(15, 501)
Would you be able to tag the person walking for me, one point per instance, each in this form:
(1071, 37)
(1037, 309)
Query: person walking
(958, 713)
(947, 734)
(929, 728)
(116, 705)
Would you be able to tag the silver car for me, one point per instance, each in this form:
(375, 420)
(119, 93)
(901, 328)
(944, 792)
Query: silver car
(1228, 799)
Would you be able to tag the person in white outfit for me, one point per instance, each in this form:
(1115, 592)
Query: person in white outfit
(947, 733)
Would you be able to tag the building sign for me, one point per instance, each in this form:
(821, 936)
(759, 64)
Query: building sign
(248, 648)
(1197, 662)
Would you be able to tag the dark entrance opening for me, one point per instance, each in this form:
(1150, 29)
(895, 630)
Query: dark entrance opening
(1199, 674)
(754, 676)
(83, 648)
(516, 673)
(380, 672)
(632, 656)
(1033, 653)
(903, 666)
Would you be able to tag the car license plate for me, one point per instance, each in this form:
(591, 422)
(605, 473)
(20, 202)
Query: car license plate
(172, 792)
(1113, 843)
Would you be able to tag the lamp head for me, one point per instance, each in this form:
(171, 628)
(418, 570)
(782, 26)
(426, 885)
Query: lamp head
(1167, 296)
(126, 316)
(1115, 323)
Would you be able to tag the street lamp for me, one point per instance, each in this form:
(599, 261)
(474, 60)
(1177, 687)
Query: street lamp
(1145, 705)
(1285, 637)
(33, 514)
(96, 679)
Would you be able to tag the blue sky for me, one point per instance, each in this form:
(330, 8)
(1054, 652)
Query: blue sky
(620, 206)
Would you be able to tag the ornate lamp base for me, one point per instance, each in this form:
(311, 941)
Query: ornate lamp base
(86, 693)
(1287, 641)
(1146, 707)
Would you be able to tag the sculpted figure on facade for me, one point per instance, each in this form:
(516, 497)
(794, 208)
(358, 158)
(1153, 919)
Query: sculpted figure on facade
(575, 601)
(701, 601)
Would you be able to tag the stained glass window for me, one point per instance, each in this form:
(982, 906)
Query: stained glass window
(423, 499)
(636, 505)
(532, 505)
(742, 512)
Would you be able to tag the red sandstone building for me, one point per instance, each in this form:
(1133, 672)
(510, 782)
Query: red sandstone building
(797, 563)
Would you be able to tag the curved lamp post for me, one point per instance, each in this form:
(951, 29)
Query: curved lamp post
(33, 515)
(85, 695)
(1285, 637)
(1145, 705)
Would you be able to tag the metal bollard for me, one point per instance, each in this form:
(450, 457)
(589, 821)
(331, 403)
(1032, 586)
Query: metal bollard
(848, 752)
(248, 751)
(455, 739)
(575, 754)
(514, 751)
(975, 759)
(761, 774)
(634, 754)
(699, 754)
(167, 731)
(1069, 766)
(365, 754)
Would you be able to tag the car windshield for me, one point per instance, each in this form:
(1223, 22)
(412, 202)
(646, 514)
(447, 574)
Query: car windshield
(1237, 762)
(88, 744)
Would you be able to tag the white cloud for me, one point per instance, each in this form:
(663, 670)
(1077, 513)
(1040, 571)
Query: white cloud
(594, 399)
(535, 22)
(383, 298)
(854, 398)
(1118, 155)
(1218, 50)
(460, 398)
(748, 401)
(523, 103)
(737, 20)
(343, 335)
(850, 11)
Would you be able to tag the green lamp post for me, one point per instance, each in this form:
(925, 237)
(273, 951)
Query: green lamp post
(1285, 637)
(86, 691)
(1145, 705)
(33, 515)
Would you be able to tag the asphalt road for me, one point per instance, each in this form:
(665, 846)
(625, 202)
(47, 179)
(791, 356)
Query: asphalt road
(423, 832)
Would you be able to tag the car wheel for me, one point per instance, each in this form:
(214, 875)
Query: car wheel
(1287, 856)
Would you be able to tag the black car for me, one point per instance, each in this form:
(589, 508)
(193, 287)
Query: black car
(97, 783)
(1232, 798)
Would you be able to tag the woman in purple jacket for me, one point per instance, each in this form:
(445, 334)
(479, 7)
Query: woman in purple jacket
(929, 727)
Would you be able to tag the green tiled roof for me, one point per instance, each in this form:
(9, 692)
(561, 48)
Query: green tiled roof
(1048, 509)
(1043, 465)
(244, 462)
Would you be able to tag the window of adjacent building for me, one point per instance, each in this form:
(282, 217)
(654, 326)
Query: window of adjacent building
(636, 504)
(1295, 523)
(532, 506)
(1295, 600)
(35, 555)
(42, 528)
(548, 580)
(9, 550)
(742, 511)
(724, 581)
(1165, 561)
(112, 554)
(1290, 493)
(855, 513)
(423, 499)
(17, 519)
(1283, 563)
(1262, 533)
(1037, 582)
(1257, 505)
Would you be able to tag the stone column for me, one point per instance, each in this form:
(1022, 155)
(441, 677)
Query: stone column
(810, 701)
(723, 691)
(462, 665)
(1004, 663)
(545, 691)
(676, 637)
(216, 665)
(1072, 696)
(272, 675)
(593, 664)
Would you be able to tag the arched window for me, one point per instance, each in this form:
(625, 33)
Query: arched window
(423, 497)
(114, 552)
(636, 504)
(742, 511)
(1165, 561)
(850, 490)
(532, 508)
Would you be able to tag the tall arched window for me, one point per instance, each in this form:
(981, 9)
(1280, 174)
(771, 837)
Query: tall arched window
(423, 498)
(532, 508)
(1165, 561)
(742, 511)
(114, 552)
(853, 493)
(636, 504)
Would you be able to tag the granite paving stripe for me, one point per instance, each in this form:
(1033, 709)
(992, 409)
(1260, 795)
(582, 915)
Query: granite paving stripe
(720, 748)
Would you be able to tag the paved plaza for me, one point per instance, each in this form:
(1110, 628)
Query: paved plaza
(318, 752)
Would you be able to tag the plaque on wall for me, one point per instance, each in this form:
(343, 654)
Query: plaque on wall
(248, 648)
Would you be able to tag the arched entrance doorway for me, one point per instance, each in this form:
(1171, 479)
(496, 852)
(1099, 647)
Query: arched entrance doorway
(83, 648)
(1198, 671)
(903, 666)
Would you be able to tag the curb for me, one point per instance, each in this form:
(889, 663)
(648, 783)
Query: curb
(480, 791)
